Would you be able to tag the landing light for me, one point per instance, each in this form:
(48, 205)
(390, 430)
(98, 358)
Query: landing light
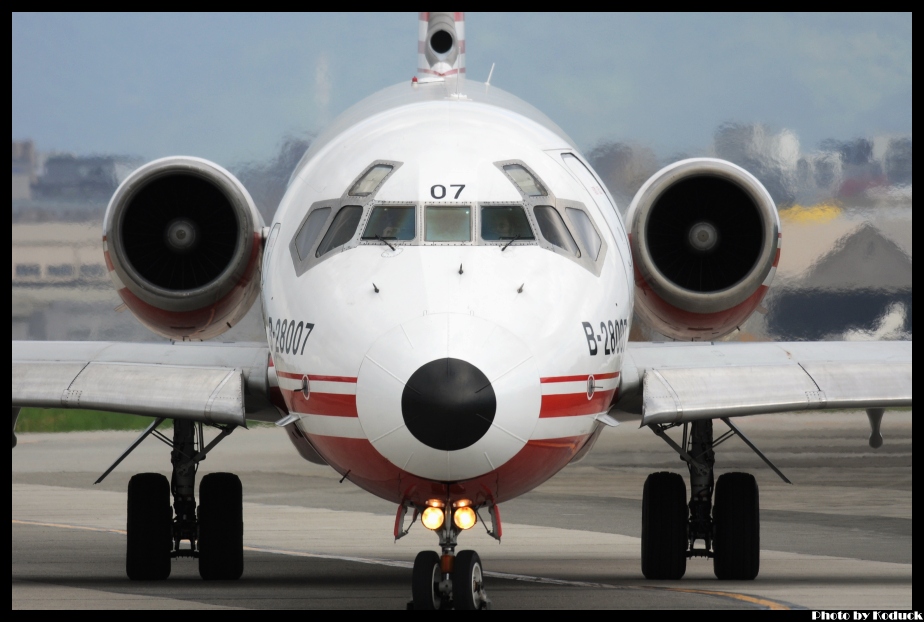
(432, 518)
(464, 518)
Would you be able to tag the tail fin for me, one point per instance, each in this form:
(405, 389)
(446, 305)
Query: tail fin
(440, 45)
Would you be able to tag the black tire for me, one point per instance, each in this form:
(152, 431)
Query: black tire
(665, 516)
(425, 584)
(736, 516)
(221, 528)
(149, 528)
(468, 591)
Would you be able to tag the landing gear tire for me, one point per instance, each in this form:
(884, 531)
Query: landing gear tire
(425, 584)
(468, 591)
(664, 527)
(736, 516)
(149, 528)
(221, 528)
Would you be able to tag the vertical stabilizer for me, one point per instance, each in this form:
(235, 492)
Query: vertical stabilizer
(440, 45)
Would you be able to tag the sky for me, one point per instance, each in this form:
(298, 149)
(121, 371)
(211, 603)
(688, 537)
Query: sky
(230, 87)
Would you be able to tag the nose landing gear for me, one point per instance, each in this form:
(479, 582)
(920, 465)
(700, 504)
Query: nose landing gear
(451, 580)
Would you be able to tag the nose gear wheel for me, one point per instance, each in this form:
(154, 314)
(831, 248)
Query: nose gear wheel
(468, 591)
(425, 584)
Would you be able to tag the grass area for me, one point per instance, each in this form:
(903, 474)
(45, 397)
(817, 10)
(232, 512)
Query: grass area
(72, 420)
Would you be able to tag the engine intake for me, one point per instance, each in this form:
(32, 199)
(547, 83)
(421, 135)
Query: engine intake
(183, 241)
(705, 240)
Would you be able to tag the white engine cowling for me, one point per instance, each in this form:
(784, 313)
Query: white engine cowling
(705, 238)
(183, 245)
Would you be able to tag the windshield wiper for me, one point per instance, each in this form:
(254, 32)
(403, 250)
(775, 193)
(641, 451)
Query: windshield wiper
(381, 239)
(512, 240)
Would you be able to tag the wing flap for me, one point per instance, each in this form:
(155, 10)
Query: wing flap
(862, 385)
(207, 394)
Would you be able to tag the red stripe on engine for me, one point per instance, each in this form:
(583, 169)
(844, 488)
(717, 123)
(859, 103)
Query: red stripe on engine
(575, 404)
(330, 404)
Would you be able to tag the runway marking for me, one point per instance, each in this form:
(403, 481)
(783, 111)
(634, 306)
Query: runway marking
(63, 526)
(763, 603)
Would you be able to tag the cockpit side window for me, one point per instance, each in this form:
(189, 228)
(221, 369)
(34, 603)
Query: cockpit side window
(341, 230)
(525, 181)
(554, 230)
(368, 183)
(390, 222)
(505, 222)
(585, 231)
(448, 223)
(310, 231)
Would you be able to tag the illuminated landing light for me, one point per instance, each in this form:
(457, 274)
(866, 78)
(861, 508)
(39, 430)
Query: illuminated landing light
(464, 518)
(432, 518)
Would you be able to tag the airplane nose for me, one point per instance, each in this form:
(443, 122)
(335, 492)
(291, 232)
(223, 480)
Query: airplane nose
(448, 404)
(448, 396)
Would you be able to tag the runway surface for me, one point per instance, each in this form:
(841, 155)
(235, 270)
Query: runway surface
(840, 538)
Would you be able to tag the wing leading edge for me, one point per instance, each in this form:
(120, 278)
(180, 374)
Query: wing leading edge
(677, 383)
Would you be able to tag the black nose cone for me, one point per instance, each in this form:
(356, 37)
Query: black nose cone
(448, 404)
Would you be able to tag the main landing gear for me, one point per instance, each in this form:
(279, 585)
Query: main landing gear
(451, 580)
(214, 529)
(729, 528)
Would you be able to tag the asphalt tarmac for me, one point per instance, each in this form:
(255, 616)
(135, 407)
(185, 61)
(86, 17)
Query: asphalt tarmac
(839, 538)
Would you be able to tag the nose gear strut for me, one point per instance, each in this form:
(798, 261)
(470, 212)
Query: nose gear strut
(448, 580)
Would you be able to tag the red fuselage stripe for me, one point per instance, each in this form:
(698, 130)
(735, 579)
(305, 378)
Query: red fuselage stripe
(575, 404)
(535, 463)
(330, 404)
(296, 376)
(614, 374)
(285, 374)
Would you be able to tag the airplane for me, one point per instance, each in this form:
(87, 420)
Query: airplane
(447, 289)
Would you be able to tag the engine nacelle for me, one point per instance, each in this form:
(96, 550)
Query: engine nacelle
(705, 238)
(183, 245)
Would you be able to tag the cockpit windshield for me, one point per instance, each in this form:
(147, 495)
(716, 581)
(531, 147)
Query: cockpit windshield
(507, 222)
(449, 224)
(554, 230)
(389, 222)
(341, 229)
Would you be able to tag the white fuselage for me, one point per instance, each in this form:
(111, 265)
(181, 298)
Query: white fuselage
(349, 328)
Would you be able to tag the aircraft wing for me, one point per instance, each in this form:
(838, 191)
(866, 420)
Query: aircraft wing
(211, 383)
(681, 382)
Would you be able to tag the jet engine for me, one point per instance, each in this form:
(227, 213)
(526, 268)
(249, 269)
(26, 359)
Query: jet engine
(183, 243)
(705, 237)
